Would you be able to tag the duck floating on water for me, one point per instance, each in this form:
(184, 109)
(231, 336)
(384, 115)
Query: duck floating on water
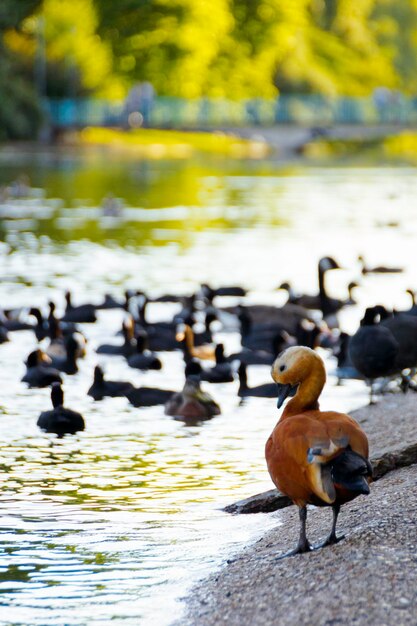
(39, 372)
(68, 362)
(107, 388)
(148, 396)
(127, 348)
(192, 402)
(83, 313)
(144, 359)
(266, 390)
(186, 340)
(321, 301)
(222, 372)
(379, 269)
(60, 420)
(314, 457)
(210, 293)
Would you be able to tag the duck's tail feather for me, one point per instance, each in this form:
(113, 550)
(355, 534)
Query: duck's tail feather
(350, 470)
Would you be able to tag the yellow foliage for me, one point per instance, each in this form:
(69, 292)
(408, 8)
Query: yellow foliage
(402, 145)
(231, 49)
(69, 29)
(173, 144)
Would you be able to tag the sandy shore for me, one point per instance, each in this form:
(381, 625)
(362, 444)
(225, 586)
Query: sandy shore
(369, 578)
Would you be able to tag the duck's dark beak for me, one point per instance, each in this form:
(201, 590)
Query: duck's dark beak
(283, 392)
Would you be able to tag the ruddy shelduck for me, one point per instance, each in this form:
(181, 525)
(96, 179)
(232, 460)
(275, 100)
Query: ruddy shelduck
(186, 337)
(314, 457)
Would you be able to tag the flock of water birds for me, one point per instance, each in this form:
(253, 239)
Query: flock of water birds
(313, 457)
(384, 346)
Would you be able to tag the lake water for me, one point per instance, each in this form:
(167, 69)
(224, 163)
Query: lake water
(117, 522)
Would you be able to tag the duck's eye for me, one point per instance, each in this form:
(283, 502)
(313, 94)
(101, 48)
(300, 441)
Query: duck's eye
(282, 368)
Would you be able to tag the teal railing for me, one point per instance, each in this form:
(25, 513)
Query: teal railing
(165, 112)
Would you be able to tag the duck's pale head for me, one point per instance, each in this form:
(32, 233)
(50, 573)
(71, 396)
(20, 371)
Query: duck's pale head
(294, 366)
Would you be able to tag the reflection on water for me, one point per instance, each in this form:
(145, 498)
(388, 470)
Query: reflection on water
(116, 522)
(125, 514)
(185, 197)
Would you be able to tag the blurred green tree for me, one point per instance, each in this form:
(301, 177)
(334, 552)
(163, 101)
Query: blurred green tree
(347, 48)
(78, 61)
(396, 28)
(20, 113)
(171, 43)
(250, 48)
(195, 48)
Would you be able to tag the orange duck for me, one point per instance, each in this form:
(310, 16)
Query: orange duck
(186, 338)
(314, 457)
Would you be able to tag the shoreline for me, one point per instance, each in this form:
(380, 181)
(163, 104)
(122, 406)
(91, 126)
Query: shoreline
(368, 578)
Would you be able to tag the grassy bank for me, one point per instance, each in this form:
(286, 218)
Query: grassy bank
(401, 147)
(156, 144)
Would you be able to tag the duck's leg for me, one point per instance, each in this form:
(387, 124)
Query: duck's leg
(371, 397)
(332, 538)
(303, 543)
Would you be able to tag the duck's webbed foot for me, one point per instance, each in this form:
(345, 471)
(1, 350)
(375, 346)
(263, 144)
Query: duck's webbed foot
(331, 540)
(300, 549)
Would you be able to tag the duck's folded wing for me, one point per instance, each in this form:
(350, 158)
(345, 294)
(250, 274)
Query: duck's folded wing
(303, 448)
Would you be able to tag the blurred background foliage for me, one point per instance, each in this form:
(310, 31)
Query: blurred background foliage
(20, 111)
(192, 48)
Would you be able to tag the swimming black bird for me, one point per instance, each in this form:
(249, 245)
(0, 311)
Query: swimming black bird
(257, 336)
(10, 320)
(161, 335)
(222, 372)
(68, 362)
(38, 372)
(110, 302)
(127, 348)
(111, 388)
(148, 396)
(253, 357)
(266, 336)
(232, 290)
(59, 333)
(60, 420)
(56, 325)
(322, 301)
(143, 322)
(267, 390)
(143, 359)
(188, 309)
(4, 337)
(263, 315)
(41, 328)
(379, 269)
(84, 313)
(307, 334)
